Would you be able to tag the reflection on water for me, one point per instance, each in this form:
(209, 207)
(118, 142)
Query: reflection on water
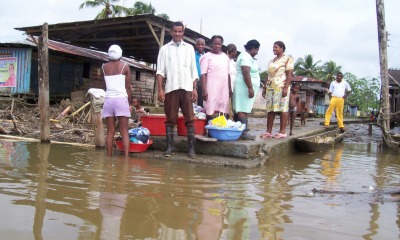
(64, 192)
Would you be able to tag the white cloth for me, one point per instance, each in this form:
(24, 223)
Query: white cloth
(178, 65)
(115, 85)
(339, 89)
(98, 98)
(97, 92)
(232, 72)
(114, 52)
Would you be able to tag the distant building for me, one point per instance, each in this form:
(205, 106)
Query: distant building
(312, 92)
(394, 93)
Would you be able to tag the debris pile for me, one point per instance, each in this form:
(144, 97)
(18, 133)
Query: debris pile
(69, 122)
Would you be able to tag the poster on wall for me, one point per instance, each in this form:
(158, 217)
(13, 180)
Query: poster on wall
(8, 71)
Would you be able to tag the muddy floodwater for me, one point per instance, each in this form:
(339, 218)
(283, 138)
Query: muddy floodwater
(50, 191)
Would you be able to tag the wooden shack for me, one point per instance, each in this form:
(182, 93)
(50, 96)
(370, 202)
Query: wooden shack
(72, 71)
(312, 92)
(394, 90)
(140, 36)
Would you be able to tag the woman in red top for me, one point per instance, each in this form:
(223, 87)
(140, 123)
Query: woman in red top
(11, 79)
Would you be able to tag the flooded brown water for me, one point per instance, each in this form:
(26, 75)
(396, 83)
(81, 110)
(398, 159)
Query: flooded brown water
(66, 192)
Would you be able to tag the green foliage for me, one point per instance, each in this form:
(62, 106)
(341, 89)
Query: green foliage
(329, 70)
(263, 76)
(163, 15)
(143, 8)
(365, 92)
(111, 10)
(306, 67)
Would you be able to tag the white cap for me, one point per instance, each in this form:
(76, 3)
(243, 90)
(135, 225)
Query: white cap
(115, 52)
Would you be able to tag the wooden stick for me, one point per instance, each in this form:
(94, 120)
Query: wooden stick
(80, 117)
(85, 119)
(12, 106)
(3, 130)
(80, 109)
(66, 110)
(37, 140)
(65, 120)
(19, 138)
(8, 121)
(16, 128)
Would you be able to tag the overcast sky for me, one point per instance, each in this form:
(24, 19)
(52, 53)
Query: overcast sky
(344, 31)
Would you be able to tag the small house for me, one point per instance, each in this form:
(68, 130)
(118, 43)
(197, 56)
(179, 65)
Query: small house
(351, 110)
(312, 93)
(394, 92)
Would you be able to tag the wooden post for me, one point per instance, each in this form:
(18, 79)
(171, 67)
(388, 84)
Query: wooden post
(382, 38)
(370, 129)
(42, 189)
(98, 128)
(385, 104)
(43, 71)
(155, 91)
(155, 87)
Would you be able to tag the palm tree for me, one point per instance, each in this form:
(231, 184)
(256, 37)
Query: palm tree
(306, 67)
(163, 15)
(110, 10)
(142, 8)
(329, 71)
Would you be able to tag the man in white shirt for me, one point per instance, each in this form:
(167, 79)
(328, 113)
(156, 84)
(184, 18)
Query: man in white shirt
(338, 90)
(176, 63)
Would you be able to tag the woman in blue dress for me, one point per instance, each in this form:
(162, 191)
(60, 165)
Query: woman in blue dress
(246, 85)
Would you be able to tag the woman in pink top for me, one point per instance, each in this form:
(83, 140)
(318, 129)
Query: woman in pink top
(117, 76)
(215, 79)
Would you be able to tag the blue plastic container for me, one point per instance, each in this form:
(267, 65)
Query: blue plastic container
(224, 134)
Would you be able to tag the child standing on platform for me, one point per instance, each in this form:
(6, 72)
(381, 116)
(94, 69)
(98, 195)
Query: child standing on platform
(293, 101)
(304, 113)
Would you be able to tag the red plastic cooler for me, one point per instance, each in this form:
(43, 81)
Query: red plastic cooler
(199, 127)
(155, 124)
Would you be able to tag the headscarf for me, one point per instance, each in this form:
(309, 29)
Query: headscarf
(115, 52)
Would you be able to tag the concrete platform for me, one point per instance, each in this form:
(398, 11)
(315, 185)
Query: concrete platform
(241, 153)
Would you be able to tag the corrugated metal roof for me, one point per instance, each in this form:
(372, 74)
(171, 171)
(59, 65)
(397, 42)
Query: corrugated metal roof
(140, 36)
(308, 83)
(312, 87)
(74, 50)
(394, 77)
(305, 79)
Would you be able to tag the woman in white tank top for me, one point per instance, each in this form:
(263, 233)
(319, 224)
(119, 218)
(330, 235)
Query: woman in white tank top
(117, 77)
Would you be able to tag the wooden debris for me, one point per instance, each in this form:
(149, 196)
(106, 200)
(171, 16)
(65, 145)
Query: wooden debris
(3, 130)
(22, 119)
(66, 110)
